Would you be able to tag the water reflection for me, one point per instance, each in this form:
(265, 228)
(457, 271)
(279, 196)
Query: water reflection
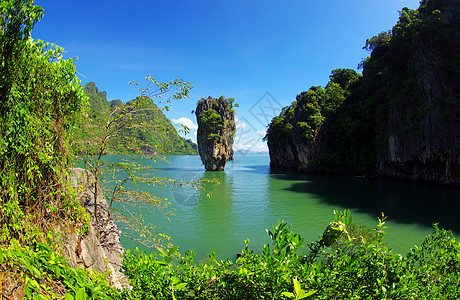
(252, 197)
(403, 202)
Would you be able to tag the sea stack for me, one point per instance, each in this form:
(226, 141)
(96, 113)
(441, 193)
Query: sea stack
(216, 129)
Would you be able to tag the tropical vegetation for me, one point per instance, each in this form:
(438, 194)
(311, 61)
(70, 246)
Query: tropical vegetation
(417, 59)
(153, 133)
(41, 100)
(346, 262)
(211, 118)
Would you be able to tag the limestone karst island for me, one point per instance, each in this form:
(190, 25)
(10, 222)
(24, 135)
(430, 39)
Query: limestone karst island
(216, 130)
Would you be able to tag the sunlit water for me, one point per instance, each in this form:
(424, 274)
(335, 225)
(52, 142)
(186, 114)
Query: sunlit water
(252, 197)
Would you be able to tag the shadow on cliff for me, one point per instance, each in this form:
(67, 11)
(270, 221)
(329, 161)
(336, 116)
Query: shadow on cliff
(404, 202)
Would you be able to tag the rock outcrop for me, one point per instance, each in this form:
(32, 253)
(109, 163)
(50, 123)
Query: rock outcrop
(401, 119)
(294, 150)
(216, 130)
(424, 137)
(99, 248)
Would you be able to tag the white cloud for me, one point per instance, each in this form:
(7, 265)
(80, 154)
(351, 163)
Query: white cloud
(240, 124)
(241, 147)
(261, 132)
(260, 148)
(187, 122)
(251, 147)
(191, 126)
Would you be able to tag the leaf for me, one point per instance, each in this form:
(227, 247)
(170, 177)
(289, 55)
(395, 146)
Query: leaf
(288, 294)
(175, 280)
(68, 296)
(296, 286)
(180, 286)
(81, 294)
(305, 295)
(172, 250)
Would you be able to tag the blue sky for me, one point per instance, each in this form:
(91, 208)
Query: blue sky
(262, 53)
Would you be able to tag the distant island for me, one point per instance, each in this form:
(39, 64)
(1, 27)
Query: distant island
(158, 136)
(400, 118)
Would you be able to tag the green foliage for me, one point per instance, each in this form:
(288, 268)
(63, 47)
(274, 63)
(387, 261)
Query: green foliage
(148, 131)
(211, 119)
(39, 272)
(303, 118)
(380, 40)
(17, 20)
(40, 94)
(347, 262)
(39, 97)
(280, 127)
(298, 292)
(345, 78)
(433, 268)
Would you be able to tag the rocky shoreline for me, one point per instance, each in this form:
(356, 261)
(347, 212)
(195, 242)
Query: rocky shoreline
(99, 248)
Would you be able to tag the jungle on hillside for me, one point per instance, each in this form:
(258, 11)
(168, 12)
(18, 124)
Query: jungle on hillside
(156, 135)
(398, 119)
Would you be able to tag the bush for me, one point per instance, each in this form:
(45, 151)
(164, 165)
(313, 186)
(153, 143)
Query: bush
(347, 262)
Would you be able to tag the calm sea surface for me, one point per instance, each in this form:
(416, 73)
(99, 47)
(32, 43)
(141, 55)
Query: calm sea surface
(252, 197)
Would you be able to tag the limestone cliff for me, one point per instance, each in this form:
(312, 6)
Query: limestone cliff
(216, 130)
(99, 248)
(401, 119)
(424, 135)
(291, 149)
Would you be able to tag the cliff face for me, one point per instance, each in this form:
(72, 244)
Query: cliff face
(293, 150)
(422, 91)
(99, 248)
(424, 135)
(216, 130)
(401, 119)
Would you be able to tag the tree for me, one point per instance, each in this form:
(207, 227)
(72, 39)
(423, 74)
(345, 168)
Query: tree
(382, 39)
(39, 95)
(344, 77)
(123, 117)
(16, 22)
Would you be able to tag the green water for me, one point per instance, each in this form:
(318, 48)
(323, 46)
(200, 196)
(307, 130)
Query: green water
(252, 197)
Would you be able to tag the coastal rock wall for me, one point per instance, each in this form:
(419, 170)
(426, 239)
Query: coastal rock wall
(424, 136)
(400, 119)
(99, 248)
(293, 150)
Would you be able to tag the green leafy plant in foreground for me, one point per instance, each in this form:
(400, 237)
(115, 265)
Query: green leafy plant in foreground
(346, 262)
(298, 292)
(39, 272)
